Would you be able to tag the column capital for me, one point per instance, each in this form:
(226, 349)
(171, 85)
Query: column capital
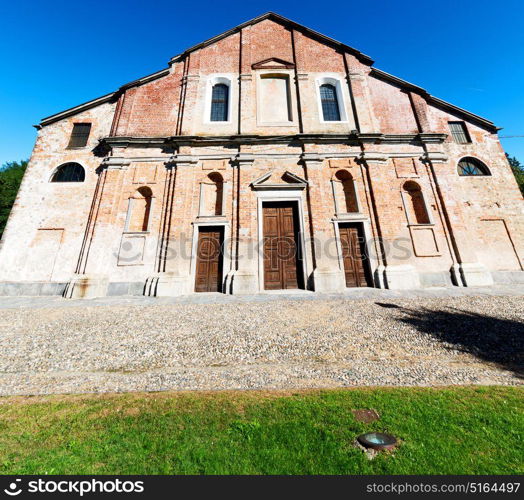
(116, 163)
(434, 157)
(374, 157)
(183, 160)
(243, 159)
(312, 158)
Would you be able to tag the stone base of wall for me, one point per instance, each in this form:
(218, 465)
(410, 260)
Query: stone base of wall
(31, 288)
(89, 288)
(508, 277)
(442, 279)
(328, 281)
(401, 277)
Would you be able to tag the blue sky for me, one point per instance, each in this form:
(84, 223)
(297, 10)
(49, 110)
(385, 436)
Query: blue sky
(57, 54)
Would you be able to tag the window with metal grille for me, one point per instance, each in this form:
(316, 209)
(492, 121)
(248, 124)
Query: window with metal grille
(219, 102)
(459, 132)
(79, 135)
(472, 166)
(69, 172)
(328, 97)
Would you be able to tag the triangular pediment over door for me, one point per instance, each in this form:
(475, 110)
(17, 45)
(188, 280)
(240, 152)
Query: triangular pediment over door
(287, 180)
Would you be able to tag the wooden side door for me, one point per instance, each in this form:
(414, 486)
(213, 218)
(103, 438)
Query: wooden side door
(209, 260)
(353, 252)
(282, 262)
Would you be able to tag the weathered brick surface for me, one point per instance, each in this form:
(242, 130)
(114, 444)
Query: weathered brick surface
(474, 221)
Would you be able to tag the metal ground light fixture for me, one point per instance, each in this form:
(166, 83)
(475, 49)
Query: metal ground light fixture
(377, 441)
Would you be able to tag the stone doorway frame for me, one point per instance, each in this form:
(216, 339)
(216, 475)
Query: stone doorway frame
(226, 258)
(368, 235)
(284, 195)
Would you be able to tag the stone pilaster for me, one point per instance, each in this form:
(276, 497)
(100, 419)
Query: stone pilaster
(243, 277)
(100, 247)
(174, 279)
(327, 274)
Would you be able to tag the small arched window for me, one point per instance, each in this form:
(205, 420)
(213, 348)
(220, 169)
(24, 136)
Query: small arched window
(329, 100)
(471, 166)
(69, 172)
(415, 204)
(345, 193)
(219, 102)
(139, 210)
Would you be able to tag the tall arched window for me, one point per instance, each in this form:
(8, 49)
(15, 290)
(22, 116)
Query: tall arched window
(219, 102)
(345, 193)
(139, 210)
(69, 172)
(471, 166)
(211, 195)
(415, 205)
(329, 100)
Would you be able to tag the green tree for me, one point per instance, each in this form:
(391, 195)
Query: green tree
(11, 174)
(518, 171)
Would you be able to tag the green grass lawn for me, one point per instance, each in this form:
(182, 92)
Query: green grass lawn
(462, 430)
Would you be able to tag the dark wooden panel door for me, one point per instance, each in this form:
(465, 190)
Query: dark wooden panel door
(209, 260)
(353, 252)
(282, 262)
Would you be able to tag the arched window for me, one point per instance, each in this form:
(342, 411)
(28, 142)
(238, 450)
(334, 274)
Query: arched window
(211, 195)
(414, 203)
(329, 100)
(139, 210)
(69, 172)
(219, 102)
(471, 166)
(345, 193)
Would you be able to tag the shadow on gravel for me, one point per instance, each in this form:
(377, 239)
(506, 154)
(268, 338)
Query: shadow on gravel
(496, 340)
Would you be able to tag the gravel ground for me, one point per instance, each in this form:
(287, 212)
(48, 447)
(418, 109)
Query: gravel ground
(251, 345)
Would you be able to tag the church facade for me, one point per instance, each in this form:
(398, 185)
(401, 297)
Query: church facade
(269, 157)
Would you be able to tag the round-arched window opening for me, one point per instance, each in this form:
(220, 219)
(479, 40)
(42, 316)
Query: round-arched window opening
(471, 166)
(69, 172)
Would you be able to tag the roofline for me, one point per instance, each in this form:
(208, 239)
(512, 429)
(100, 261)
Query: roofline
(271, 15)
(432, 99)
(100, 100)
(277, 17)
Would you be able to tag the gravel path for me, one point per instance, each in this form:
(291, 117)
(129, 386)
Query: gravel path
(276, 344)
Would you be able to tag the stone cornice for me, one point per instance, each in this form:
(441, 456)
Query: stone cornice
(354, 139)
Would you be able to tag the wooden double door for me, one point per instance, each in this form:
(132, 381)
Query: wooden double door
(283, 266)
(209, 262)
(356, 265)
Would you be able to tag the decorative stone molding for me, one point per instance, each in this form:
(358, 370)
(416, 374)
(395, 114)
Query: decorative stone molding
(295, 182)
(432, 138)
(311, 158)
(183, 160)
(243, 159)
(434, 157)
(374, 157)
(116, 163)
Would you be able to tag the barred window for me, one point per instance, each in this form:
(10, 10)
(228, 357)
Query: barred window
(219, 103)
(69, 172)
(472, 166)
(328, 97)
(79, 135)
(459, 132)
